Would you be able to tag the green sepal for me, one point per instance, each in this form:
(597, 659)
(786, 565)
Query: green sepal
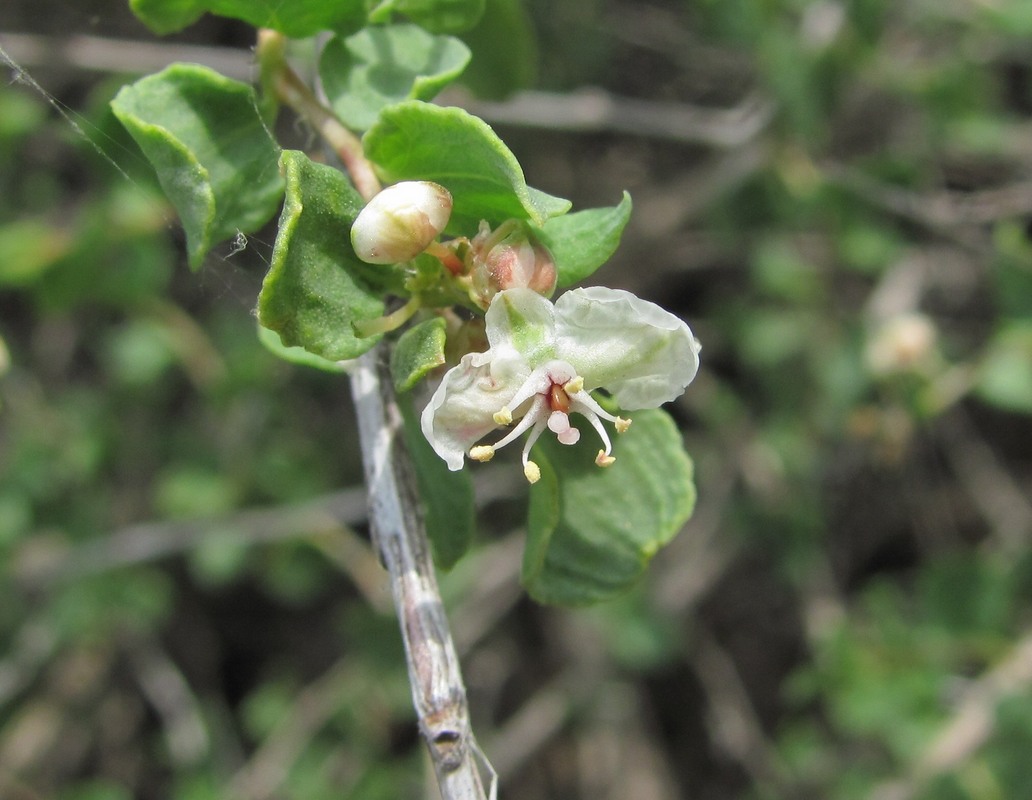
(379, 66)
(418, 351)
(420, 141)
(592, 531)
(295, 18)
(583, 241)
(212, 153)
(436, 16)
(447, 497)
(315, 289)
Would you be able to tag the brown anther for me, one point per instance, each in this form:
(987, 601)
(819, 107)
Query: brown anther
(558, 399)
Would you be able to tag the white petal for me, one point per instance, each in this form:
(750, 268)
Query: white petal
(642, 354)
(461, 411)
(521, 325)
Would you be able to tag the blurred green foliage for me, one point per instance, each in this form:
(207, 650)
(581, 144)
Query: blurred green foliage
(863, 294)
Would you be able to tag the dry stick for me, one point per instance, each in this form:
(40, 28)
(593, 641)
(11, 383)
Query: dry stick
(438, 692)
(583, 111)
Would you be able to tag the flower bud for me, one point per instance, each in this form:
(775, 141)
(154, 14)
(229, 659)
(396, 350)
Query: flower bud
(509, 257)
(401, 222)
(901, 344)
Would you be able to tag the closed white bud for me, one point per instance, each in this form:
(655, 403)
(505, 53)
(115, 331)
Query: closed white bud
(401, 222)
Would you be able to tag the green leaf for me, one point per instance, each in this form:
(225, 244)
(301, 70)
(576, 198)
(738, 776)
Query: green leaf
(419, 350)
(505, 52)
(1004, 377)
(296, 355)
(213, 155)
(380, 66)
(168, 16)
(28, 248)
(447, 497)
(437, 16)
(592, 531)
(419, 141)
(315, 289)
(294, 18)
(582, 242)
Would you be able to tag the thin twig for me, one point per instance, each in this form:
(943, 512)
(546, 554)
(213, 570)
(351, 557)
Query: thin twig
(169, 693)
(105, 54)
(438, 692)
(151, 541)
(595, 110)
(588, 110)
(264, 774)
(970, 727)
(735, 725)
(295, 93)
(991, 487)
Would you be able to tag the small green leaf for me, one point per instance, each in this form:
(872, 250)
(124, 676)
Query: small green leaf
(168, 16)
(379, 66)
(213, 155)
(592, 531)
(447, 496)
(582, 242)
(295, 18)
(419, 141)
(296, 355)
(436, 16)
(315, 288)
(419, 350)
(28, 248)
(1004, 377)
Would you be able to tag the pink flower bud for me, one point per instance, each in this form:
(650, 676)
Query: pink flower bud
(401, 222)
(510, 257)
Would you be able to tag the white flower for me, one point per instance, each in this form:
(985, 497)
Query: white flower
(542, 364)
(400, 222)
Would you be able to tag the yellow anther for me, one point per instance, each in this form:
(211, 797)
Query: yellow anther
(532, 471)
(482, 452)
(503, 417)
(574, 385)
(604, 460)
(622, 425)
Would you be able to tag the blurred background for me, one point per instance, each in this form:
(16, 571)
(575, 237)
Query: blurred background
(836, 195)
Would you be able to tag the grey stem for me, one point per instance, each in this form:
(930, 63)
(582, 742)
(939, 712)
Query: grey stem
(438, 692)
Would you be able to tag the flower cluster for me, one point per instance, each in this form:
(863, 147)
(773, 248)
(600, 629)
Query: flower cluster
(543, 362)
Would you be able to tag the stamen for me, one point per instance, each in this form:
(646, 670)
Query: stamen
(558, 399)
(539, 427)
(482, 452)
(622, 425)
(586, 400)
(536, 414)
(574, 385)
(532, 472)
(603, 459)
(503, 417)
(596, 423)
(537, 384)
